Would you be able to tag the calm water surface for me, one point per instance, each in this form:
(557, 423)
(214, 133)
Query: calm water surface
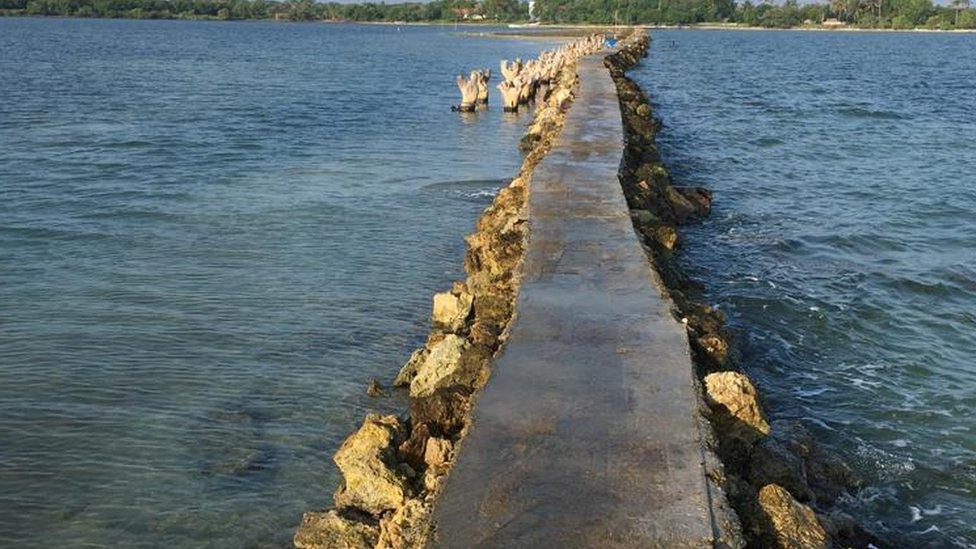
(843, 245)
(211, 237)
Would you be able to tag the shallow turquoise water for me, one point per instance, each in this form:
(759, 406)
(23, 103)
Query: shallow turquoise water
(842, 245)
(212, 235)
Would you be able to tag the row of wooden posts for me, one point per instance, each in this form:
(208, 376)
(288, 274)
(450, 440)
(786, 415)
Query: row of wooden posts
(524, 82)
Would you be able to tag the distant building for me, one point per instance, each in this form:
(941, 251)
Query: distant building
(833, 22)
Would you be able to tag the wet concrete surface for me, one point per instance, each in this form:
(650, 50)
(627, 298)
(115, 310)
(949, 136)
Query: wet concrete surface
(586, 434)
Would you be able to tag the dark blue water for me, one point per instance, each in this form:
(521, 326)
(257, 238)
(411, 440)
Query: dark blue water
(843, 245)
(212, 235)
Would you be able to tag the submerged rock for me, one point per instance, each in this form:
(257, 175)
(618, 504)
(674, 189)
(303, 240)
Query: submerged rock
(367, 460)
(329, 530)
(792, 524)
(772, 463)
(735, 402)
(699, 197)
(375, 389)
(441, 363)
(827, 476)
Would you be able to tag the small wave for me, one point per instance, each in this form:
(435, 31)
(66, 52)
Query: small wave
(133, 215)
(466, 184)
(768, 142)
(874, 114)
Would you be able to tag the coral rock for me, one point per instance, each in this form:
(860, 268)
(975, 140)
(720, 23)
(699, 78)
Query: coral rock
(329, 530)
(716, 349)
(367, 462)
(446, 409)
(665, 236)
(412, 450)
(409, 370)
(375, 389)
(438, 451)
(451, 310)
(443, 361)
(794, 525)
(406, 528)
(734, 399)
(699, 197)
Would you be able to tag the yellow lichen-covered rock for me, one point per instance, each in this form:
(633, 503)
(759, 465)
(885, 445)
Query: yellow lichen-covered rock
(329, 530)
(734, 399)
(367, 462)
(406, 528)
(438, 451)
(794, 525)
(443, 360)
(451, 310)
(433, 479)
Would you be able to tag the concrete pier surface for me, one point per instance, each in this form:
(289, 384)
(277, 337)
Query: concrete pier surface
(586, 434)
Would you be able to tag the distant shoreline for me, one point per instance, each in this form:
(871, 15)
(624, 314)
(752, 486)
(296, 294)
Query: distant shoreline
(521, 30)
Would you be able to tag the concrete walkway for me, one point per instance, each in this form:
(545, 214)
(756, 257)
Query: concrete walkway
(586, 434)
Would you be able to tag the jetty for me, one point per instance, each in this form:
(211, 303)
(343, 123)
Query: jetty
(573, 391)
(587, 433)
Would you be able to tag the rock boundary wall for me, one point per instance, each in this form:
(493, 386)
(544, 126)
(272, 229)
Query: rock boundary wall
(393, 467)
(782, 485)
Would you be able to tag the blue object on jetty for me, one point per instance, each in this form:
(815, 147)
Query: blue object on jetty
(612, 42)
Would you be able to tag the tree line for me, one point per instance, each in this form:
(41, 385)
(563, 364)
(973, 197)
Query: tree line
(881, 14)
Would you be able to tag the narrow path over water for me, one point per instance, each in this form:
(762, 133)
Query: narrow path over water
(586, 433)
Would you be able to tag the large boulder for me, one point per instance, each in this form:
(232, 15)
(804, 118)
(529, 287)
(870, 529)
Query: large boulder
(735, 402)
(330, 530)
(445, 410)
(792, 525)
(367, 460)
(451, 310)
(441, 363)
